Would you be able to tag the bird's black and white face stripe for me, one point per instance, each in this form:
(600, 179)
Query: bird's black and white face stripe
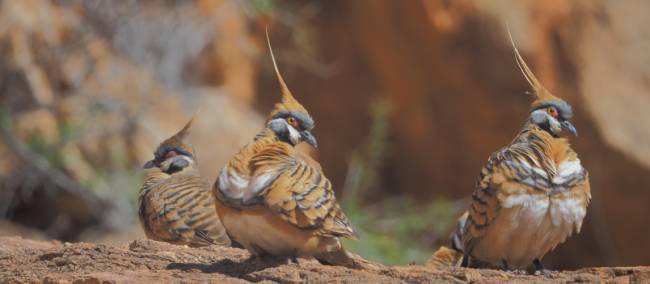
(164, 152)
(170, 159)
(553, 116)
(293, 127)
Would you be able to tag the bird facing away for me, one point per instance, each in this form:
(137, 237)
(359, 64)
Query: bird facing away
(176, 205)
(277, 202)
(532, 194)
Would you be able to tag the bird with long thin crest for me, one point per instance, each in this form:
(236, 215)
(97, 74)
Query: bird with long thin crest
(532, 194)
(277, 202)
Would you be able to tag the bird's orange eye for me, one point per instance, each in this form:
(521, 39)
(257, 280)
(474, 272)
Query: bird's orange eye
(552, 111)
(291, 121)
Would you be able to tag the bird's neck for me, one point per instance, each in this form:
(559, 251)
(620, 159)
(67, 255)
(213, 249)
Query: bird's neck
(545, 147)
(266, 135)
(262, 140)
(152, 177)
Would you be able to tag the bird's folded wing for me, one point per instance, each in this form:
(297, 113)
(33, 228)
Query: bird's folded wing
(505, 176)
(304, 157)
(511, 178)
(182, 210)
(299, 193)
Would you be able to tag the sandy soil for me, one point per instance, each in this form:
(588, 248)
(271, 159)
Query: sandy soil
(144, 261)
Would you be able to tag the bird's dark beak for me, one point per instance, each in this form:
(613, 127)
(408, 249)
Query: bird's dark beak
(149, 164)
(309, 138)
(569, 127)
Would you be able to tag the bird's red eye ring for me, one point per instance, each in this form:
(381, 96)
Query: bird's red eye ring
(552, 111)
(292, 121)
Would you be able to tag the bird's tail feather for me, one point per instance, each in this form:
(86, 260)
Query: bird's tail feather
(342, 257)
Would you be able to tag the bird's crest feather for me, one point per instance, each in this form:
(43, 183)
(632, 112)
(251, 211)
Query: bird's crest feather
(180, 139)
(288, 103)
(541, 93)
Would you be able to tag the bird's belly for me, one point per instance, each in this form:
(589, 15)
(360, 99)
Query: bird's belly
(262, 232)
(528, 230)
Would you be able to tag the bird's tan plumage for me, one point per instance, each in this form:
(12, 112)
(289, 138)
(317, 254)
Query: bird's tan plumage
(444, 257)
(530, 197)
(175, 204)
(276, 201)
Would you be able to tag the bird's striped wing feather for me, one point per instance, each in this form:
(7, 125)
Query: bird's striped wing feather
(506, 173)
(299, 193)
(180, 209)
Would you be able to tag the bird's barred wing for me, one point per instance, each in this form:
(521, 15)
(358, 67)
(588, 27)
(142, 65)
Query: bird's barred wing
(505, 175)
(181, 210)
(581, 192)
(511, 178)
(308, 160)
(456, 237)
(299, 193)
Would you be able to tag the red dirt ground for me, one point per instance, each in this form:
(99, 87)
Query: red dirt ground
(144, 261)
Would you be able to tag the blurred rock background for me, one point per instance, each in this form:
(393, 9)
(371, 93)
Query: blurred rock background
(410, 98)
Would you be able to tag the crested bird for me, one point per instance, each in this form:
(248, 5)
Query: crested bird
(175, 204)
(532, 194)
(277, 202)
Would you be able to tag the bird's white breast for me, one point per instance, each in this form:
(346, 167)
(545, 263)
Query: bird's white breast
(530, 225)
(561, 208)
(566, 170)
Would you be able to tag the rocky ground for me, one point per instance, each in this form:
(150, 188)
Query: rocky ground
(144, 261)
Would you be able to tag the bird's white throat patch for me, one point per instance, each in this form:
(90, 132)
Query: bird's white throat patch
(294, 135)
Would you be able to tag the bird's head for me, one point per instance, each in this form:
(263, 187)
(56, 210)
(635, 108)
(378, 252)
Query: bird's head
(174, 154)
(554, 116)
(289, 120)
(548, 111)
